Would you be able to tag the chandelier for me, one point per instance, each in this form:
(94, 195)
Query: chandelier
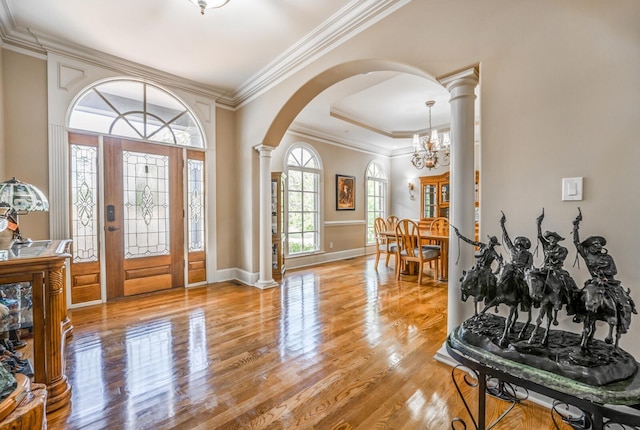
(211, 4)
(430, 151)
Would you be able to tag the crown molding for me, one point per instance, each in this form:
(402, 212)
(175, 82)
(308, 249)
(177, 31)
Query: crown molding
(340, 27)
(352, 19)
(392, 134)
(30, 42)
(308, 133)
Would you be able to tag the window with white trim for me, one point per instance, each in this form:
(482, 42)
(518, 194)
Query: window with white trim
(376, 197)
(303, 171)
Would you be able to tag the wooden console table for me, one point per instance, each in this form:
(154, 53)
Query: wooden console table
(42, 265)
(601, 406)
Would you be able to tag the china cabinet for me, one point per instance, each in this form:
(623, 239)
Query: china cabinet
(435, 197)
(32, 278)
(277, 226)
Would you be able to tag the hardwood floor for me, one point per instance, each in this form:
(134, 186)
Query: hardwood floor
(337, 346)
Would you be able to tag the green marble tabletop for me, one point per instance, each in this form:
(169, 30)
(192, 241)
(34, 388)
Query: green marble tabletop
(626, 392)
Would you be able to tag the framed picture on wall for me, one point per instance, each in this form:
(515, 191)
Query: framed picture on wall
(345, 193)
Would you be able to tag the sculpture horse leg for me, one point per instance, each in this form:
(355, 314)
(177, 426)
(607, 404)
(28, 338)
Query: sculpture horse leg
(525, 326)
(538, 322)
(588, 329)
(609, 338)
(550, 317)
(508, 325)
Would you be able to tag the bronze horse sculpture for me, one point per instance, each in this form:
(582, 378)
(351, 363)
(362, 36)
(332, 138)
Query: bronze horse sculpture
(546, 293)
(594, 305)
(506, 291)
(510, 292)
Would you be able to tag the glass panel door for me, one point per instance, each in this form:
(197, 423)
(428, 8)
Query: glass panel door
(143, 217)
(430, 204)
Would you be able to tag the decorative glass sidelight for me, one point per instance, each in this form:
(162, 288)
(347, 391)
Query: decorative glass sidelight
(84, 205)
(146, 204)
(195, 205)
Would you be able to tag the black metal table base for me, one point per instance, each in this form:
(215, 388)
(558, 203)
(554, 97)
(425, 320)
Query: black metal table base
(578, 413)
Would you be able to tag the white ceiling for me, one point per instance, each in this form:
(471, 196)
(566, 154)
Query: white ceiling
(239, 50)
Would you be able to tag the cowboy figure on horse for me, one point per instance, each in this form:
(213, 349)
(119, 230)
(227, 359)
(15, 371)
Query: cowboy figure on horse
(521, 259)
(481, 280)
(603, 269)
(554, 256)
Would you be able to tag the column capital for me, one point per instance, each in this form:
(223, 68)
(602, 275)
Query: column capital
(264, 149)
(463, 82)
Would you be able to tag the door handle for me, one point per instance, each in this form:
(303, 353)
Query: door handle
(111, 228)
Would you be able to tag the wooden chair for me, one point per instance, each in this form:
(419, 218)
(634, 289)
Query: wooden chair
(412, 250)
(383, 244)
(440, 224)
(392, 221)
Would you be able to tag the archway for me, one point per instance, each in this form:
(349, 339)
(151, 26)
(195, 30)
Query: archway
(461, 87)
(321, 82)
(280, 124)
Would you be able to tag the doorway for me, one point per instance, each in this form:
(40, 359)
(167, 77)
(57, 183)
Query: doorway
(152, 195)
(143, 203)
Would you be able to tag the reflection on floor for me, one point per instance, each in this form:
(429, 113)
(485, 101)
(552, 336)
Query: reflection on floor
(336, 346)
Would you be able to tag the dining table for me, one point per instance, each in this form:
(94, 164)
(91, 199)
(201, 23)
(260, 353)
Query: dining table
(439, 237)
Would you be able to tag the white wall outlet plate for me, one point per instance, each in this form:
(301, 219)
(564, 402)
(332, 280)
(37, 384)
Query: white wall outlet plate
(571, 189)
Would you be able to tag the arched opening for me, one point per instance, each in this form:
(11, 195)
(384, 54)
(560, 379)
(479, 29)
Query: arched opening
(461, 95)
(321, 82)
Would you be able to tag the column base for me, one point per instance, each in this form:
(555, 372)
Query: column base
(263, 285)
(59, 395)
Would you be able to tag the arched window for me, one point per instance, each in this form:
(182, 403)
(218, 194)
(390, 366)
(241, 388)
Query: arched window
(376, 197)
(136, 110)
(303, 200)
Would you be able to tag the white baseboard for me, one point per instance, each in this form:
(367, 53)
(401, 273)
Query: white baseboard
(323, 257)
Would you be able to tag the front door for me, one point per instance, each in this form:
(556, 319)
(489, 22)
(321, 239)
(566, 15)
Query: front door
(143, 213)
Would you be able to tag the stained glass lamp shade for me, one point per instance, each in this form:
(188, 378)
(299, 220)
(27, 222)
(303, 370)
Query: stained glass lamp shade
(20, 198)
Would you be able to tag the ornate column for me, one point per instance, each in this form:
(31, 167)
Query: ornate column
(461, 86)
(266, 275)
(56, 332)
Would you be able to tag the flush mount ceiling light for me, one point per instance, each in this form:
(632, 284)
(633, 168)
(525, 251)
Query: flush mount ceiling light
(210, 4)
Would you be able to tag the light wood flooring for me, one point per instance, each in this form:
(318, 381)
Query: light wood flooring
(337, 346)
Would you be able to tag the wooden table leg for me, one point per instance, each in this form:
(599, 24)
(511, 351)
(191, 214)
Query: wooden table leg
(444, 261)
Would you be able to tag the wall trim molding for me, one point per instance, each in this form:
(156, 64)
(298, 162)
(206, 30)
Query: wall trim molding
(349, 21)
(347, 223)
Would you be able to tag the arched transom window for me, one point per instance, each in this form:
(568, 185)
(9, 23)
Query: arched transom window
(136, 110)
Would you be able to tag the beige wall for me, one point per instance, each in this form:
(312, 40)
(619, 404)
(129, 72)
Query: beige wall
(25, 154)
(228, 231)
(346, 230)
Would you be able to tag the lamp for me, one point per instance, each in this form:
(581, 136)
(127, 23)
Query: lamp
(20, 198)
(430, 151)
(211, 4)
(411, 195)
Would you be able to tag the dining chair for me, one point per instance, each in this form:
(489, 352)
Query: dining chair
(439, 224)
(383, 244)
(392, 221)
(411, 249)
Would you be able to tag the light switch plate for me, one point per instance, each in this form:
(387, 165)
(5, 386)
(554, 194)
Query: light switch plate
(571, 189)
